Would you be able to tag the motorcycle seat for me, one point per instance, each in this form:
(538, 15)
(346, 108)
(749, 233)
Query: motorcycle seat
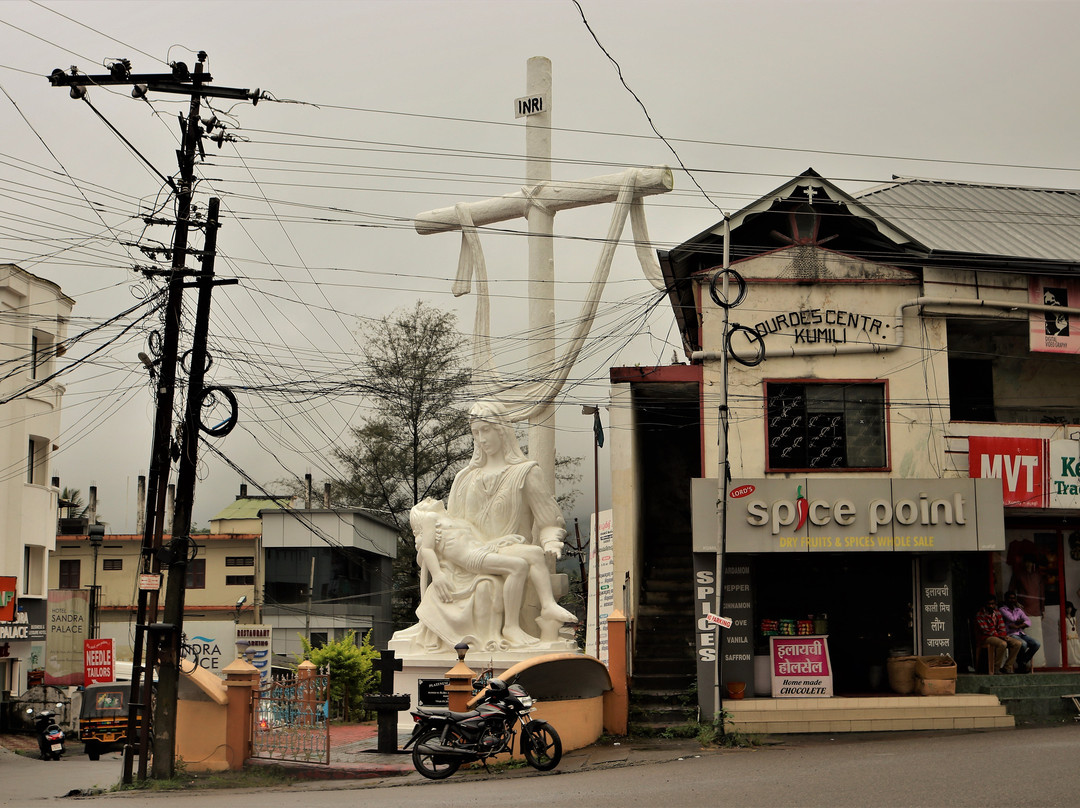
(453, 716)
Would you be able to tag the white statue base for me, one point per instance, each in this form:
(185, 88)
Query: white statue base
(429, 672)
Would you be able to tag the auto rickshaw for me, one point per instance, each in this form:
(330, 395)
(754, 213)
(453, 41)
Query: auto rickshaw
(103, 719)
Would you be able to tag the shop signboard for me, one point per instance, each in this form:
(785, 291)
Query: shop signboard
(602, 576)
(1034, 472)
(705, 635)
(8, 588)
(737, 642)
(210, 644)
(832, 514)
(935, 607)
(98, 661)
(254, 641)
(800, 667)
(68, 627)
(1053, 332)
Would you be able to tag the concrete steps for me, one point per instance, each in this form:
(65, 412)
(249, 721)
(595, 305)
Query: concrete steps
(868, 714)
(1030, 698)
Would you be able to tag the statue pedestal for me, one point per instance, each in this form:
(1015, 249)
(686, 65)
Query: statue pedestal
(427, 674)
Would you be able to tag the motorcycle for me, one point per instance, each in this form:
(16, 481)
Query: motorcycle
(442, 740)
(50, 737)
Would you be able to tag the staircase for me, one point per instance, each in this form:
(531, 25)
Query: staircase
(664, 672)
(1030, 698)
(867, 714)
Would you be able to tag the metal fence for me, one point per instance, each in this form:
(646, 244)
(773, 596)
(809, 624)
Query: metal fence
(290, 718)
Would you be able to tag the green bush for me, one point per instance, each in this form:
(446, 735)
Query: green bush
(352, 673)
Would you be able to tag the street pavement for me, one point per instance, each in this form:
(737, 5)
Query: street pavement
(1031, 767)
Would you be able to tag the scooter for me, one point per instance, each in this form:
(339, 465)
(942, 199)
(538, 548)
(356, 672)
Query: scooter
(50, 737)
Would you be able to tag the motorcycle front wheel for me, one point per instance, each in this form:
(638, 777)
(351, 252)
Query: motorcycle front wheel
(541, 746)
(431, 765)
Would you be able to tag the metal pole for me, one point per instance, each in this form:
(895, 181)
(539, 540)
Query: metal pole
(721, 500)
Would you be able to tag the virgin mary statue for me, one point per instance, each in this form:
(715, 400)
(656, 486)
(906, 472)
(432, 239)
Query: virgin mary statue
(486, 559)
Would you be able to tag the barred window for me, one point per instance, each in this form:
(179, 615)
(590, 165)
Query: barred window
(239, 580)
(112, 564)
(239, 561)
(823, 426)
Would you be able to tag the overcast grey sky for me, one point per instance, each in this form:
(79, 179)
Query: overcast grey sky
(404, 106)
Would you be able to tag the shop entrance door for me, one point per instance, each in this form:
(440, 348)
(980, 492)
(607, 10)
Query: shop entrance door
(867, 600)
(1043, 567)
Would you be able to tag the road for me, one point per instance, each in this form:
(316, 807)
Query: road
(1035, 768)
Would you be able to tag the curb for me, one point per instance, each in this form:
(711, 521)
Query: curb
(333, 771)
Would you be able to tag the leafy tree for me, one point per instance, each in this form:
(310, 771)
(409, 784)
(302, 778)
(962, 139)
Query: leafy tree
(417, 435)
(352, 672)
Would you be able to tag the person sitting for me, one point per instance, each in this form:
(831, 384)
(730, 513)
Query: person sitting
(1016, 620)
(990, 626)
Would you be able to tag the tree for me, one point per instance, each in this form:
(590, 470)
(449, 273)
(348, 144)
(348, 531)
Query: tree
(352, 672)
(417, 435)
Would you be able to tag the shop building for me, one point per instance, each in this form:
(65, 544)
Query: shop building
(890, 380)
(34, 316)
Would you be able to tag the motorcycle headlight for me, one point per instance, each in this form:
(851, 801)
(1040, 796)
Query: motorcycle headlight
(526, 701)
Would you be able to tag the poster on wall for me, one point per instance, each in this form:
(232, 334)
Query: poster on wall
(601, 587)
(800, 667)
(1051, 331)
(68, 627)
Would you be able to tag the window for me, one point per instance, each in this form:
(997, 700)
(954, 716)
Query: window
(36, 457)
(239, 580)
(40, 354)
(69, 573)
(196, 574)
(822, 426)
(239, 561)
(112, 564)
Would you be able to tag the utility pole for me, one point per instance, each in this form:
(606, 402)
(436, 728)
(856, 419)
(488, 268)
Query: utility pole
(169, 676)
(195, 85)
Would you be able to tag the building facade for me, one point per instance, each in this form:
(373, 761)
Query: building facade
(888, 385)
(34, 316)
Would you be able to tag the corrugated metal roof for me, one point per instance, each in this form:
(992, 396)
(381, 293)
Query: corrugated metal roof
(1013, 221)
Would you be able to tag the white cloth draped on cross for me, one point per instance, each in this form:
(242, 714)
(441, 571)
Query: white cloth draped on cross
(625, 190)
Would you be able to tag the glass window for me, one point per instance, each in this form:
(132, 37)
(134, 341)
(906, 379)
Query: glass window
(823, 426)
(69, 573)
(239, 580)
(196, 574)
(112, 564)
(239, 561)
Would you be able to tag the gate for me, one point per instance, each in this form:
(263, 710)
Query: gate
(290, 718)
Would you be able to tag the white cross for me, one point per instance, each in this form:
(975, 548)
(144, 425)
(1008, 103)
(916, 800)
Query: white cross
(538, 202)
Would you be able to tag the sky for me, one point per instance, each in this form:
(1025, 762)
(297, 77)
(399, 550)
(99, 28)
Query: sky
(374, 112)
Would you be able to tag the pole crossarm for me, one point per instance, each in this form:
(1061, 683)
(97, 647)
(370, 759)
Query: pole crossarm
(553, 196)
(157, 82)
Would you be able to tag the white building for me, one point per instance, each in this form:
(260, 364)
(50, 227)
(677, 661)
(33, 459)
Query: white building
(33, 326)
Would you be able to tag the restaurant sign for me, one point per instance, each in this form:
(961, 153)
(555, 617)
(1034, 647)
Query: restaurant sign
(833, 514)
